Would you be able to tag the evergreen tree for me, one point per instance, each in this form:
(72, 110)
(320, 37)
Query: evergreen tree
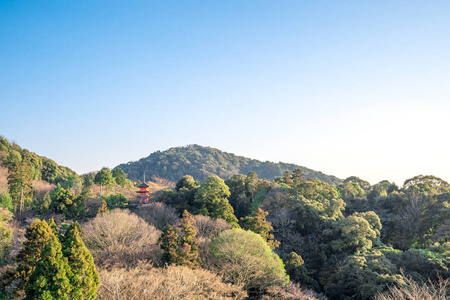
(119, 177)
(258, 224)
(213, 195)
(20, 183)
(37, 235)
(188, 248)
(103, 209)
(168, 242)
(295, 268)
(50, 277)
(84, 278)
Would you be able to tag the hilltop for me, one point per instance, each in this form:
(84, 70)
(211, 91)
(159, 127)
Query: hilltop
(202, 162)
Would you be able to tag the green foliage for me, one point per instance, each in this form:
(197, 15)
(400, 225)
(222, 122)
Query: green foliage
(187, 248)
(365, 185)
(37, 236)
(6, 201)
(84, 279)
(118, 199)
(20, 182)
(212, 197)
(258, 224)
(103, 209)
(119, 177)
(322, 197)
(428, 185)
(43, 204)
(104, 177)
(184, 251)
(64, 202)
(50, 277)
(350, 190)
(295, 268)
(244, 258)
(244, 191)
(357, 232)
(5, 234)
(291, 179)
(168, 241)
(50, 171)
(361, 277)
(203, 162)
(186, 182)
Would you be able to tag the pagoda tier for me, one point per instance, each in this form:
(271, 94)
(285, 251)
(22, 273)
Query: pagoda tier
(143, 193)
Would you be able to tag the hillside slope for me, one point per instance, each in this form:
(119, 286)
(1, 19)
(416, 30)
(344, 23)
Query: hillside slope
(202, 162)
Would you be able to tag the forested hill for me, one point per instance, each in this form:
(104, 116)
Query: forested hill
(203, 162)
(36, 167)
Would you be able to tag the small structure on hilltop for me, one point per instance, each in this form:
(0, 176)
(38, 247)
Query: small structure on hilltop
(143, 193)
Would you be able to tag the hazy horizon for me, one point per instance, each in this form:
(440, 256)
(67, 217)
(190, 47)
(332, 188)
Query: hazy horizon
(346, 88)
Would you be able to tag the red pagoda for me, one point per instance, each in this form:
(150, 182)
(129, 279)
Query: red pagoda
(143, 193)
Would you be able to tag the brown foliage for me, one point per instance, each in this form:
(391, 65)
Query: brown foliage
(158, 214)
(163, 183)
(121, 238)
(3, 179)
(439, 290)
(291, 291)
(43, 187)
(209, 228)
(171, 283)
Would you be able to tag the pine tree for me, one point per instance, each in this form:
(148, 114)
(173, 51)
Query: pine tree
(188, 248)
(258, 224)
(37, 235)
(103, 209)
(168, 242)
(50, 277)
(84, 278)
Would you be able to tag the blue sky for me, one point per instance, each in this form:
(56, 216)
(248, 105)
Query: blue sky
(345, 87)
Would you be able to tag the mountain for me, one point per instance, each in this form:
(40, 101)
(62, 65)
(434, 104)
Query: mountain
(203, 162)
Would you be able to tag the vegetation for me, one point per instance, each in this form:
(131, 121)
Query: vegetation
(203, 162)
(345, 239)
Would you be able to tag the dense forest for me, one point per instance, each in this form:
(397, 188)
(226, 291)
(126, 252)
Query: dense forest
(244, 236)
(203, 162)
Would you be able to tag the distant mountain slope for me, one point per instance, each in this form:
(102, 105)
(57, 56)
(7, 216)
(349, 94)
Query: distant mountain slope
(202, 162)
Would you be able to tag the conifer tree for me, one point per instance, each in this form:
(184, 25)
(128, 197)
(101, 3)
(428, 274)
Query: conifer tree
(84, 279)
(37, 235)
(168, 242)
(50, 277)
(188, 248)
(258, 224)
(103, 209)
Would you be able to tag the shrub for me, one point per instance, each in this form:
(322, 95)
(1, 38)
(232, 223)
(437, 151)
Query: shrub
(173, 282)
(244, 258)
(208, 227)
(121, 237)
(439, 290)
(158, 214)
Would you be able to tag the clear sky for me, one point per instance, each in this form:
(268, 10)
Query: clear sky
(345, 87)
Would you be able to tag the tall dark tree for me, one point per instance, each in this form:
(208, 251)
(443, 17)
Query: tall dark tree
(83, 278)
(103, 178)
(119, 177)
(168, 242)
(37, 235)
(188, 248)
(20, 183)
(258, 224)
(213, 195)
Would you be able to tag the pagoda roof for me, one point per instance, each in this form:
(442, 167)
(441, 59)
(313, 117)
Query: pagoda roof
(143, 185)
